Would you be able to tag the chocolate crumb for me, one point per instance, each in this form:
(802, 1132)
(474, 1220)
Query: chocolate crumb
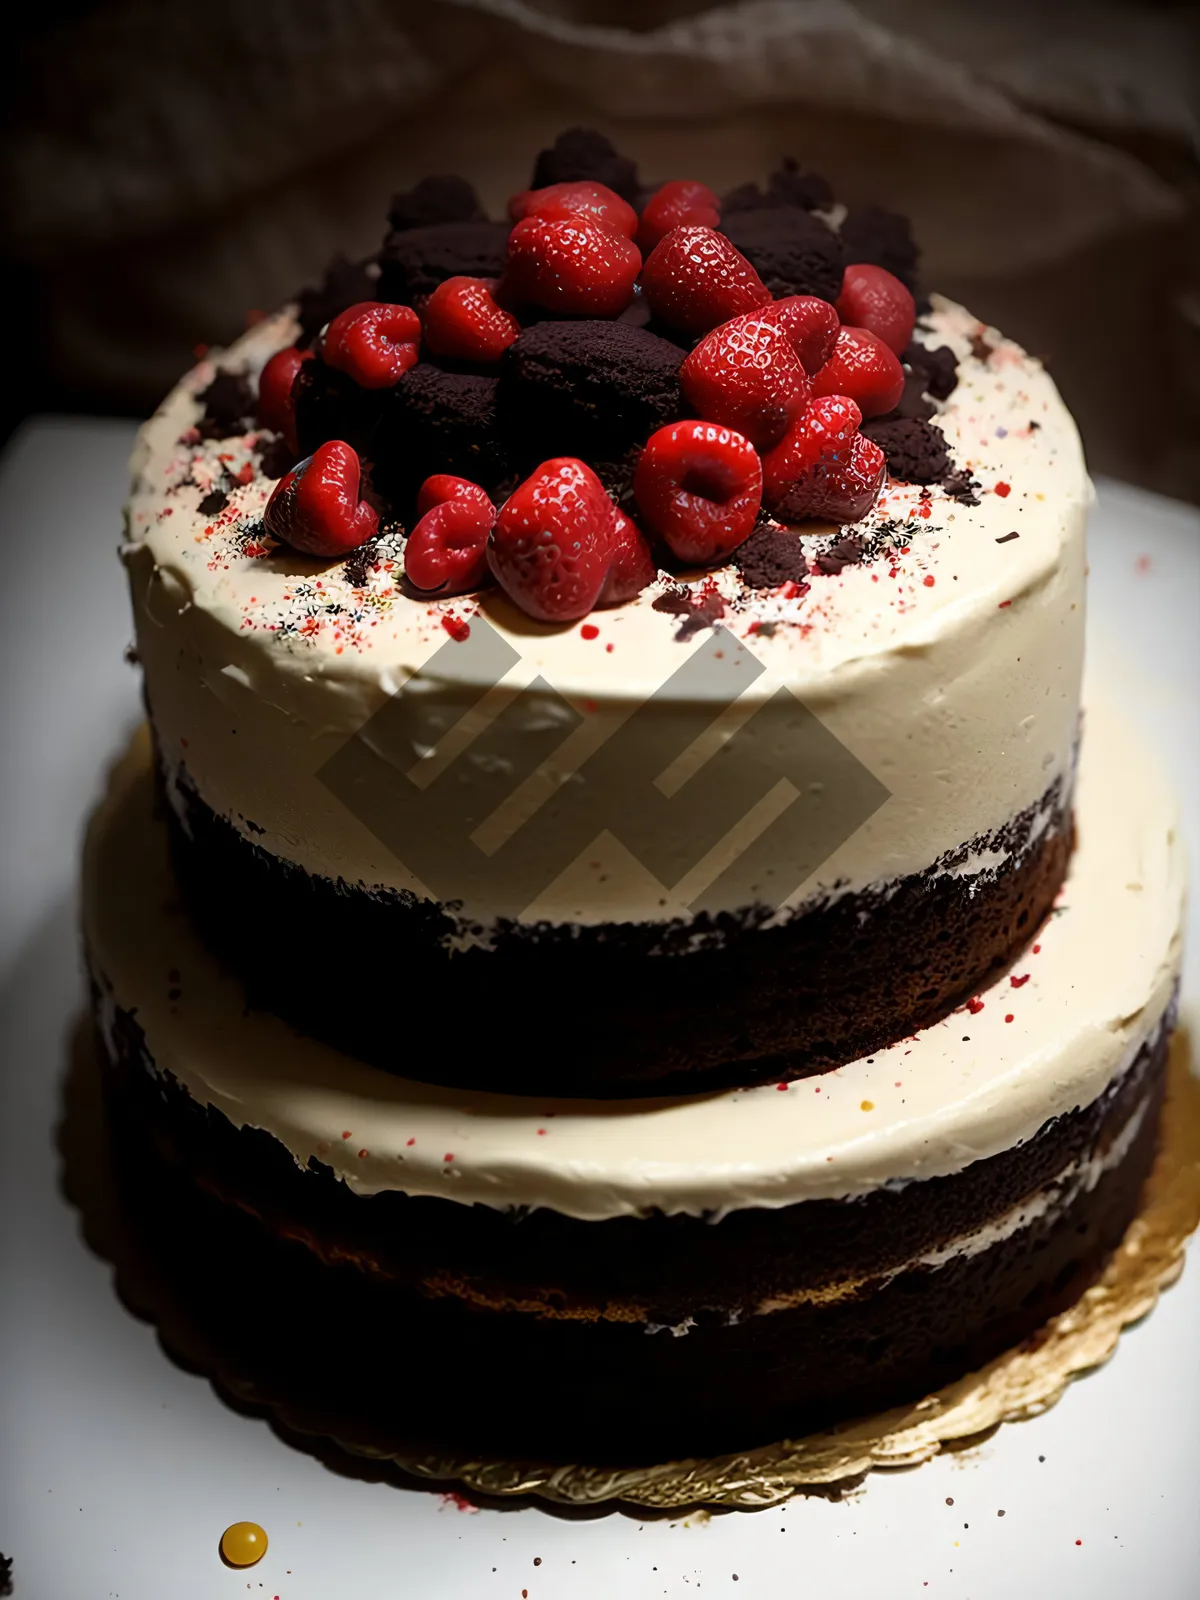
(6, 1567)
(1034, 425)
(939, 365)
(1005, 537)
(584, 155)
(275, 456)
(213, 503)
(698, 610)
(228, 406)
(787, 186)
(344, 284)
(980, 348)
(771, 556)
(443, 197)
(354, 568)
(916, 450)
(843, 553)
(883, 238)
(961, 486)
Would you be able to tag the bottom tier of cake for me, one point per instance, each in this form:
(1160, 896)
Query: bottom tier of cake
(654, 1278)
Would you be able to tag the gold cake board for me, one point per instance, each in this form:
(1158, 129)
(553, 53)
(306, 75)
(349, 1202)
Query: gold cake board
(1019, 1384)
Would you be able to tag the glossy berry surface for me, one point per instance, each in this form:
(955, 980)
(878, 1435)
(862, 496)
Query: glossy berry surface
(872, 298)
(699, 487)
(746, 375)
(681, 203)
(276, 409)
(445, 486)
(695, 279)
(462, 320)
(554, 541)
(374, 343)
(572, 268)
(632, 566)
(825, 430)
(318, 508)
(810, 324)
(560, 202)
(863, 368)
(446, 552)
(838, 490)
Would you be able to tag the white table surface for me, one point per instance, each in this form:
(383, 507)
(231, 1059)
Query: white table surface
(118, 1470)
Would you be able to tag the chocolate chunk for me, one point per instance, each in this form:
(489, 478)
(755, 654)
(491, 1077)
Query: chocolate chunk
(771, 556)
(345, 283)
(413, 262)
(441, 198)
(228, 406)
(961, 486)
(916, 451)
(787, 186)
(275, 456)
(591, 388)
(883, 238)
(697, 609)
(793, 252)
(842, 553)
(438, 421)
(358, 564)
(213, 503)
(914, 403)
(583, 154)
(940, 367)
(330, 405)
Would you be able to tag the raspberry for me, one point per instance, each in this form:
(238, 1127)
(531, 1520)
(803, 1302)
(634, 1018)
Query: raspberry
(837, 490)
(746, 376)
(561, 202)
(318, 508)
(825, 431)
(275, 407)
(678, 204)
(695, 279)
(811, 326)
(699, 487)
(554, 541)
(446, 552)
(872, 298)
(575, 268)
(632, 564)
(373, 343)
(461, 319)
(862, 367)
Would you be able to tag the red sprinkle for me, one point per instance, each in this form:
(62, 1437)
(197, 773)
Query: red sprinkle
(589, 631)
(782, 1086)
(929, 580)
(1037, 949)
(1003, 490)
(361, 1154)
(1009, 1017)
(974, 1005)
(412, 1141)
(448, 1157)
(347, 1134)
(1018, 983)
(456, 628)
(1004, 603)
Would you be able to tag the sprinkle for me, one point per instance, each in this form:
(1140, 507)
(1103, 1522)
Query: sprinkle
(1037, 949)
(456, 628)
(867, 1105)
(362, 1155)
(1003, 490)
(929, 580)
(1020, 982)
(1142, 564)
(411, 1141)
(347, 1134)
(1003, 604)
(1006, 538)
(589, 631)
(1009, 1017)
(448, 1157)
(974, 1005)
(782, 1086)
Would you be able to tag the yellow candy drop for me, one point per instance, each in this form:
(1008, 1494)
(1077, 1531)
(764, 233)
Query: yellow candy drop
(242, 1544)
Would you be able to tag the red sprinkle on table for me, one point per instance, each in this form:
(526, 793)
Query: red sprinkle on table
(1019, 982)
(1003, 490)
(929, 580)
(347, 1134)
(456, 628)
(974, 1005)
(1003, 604)
(589, 631)
(1009, 1017)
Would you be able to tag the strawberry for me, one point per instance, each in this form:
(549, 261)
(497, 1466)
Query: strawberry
(442, 486)
(373, 342)
(318, 508)
(699, 487)
(446, 552)
(462, 320)
(275, 407)
(632, 564)
(811, 326)
(872, 298)
(837, 490)
(863, 368)
(746, 375)
(680, 203)
(560, 202)
(554, 541)
(824, 431)
(695, 279)
(572, 268)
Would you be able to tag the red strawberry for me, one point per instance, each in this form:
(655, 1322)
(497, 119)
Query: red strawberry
(442, 486)
(446, 552)
(374, 343)
(837, 491)
(811, 325)
(462, 320)
(275, 408)
(872, 298)
(554, 541)
(632, 565)
(862, 367)
(575, 268)
(318, 508)
(824, 431)
(560, 202)
(699, 487)
(746, 375)
(680, 203)
(695, 279)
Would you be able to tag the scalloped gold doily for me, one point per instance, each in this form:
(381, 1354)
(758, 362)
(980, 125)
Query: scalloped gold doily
(1021, 1383)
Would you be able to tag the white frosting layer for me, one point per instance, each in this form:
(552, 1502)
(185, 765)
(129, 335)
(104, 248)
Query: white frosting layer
(951, 671)
(1080, 1007)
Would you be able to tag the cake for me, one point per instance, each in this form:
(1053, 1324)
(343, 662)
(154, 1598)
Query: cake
(605, 907)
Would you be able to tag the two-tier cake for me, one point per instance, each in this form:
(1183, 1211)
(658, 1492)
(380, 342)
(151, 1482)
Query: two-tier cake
(607, 913)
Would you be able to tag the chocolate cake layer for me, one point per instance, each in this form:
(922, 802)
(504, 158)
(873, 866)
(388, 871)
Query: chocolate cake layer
(635, 1338)
(759, 1004)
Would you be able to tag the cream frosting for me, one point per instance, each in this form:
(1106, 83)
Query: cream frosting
(951, 671)
(1050, 1037)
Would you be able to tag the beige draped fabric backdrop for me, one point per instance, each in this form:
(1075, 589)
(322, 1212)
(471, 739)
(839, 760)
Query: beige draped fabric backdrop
(167, 169)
